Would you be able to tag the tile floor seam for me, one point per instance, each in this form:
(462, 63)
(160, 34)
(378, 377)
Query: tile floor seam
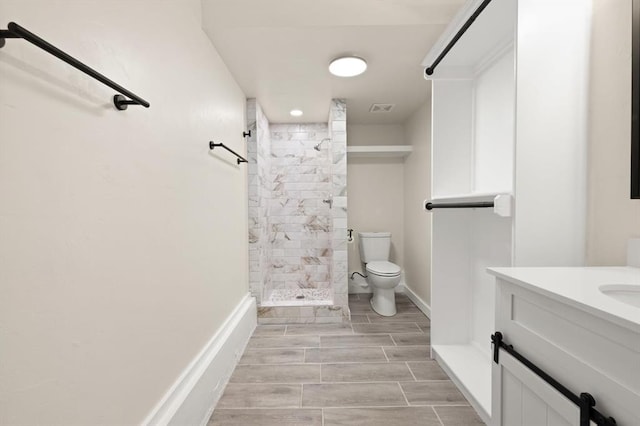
(385, 354)
(346, 407)
(301, 394)
(411, 371)
(404, 395)
(437, 416)
(367, 382)
(393, 340)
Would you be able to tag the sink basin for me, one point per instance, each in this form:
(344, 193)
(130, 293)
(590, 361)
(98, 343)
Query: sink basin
(626, 293)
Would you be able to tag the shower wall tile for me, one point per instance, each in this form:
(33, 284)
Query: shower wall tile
(297, 243)
(337, 130)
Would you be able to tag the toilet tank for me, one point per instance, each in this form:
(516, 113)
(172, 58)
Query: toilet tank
(374, 246)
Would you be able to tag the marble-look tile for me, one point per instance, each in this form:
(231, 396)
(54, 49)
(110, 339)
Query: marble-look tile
(458, 416)
(390, 327)
(283, 342)
(327, 311)
(388, 416)
(366, 372)
(367, 354)
(289, 373)
(409, 339)
(407, 353)
(260, 396)
(319, 329)
(357, 340)
(352, 395)
(266, 417)
(427, 370)
(433, 393)
(272, 356)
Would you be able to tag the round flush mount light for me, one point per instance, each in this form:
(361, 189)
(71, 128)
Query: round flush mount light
(295, 113)
(347, 66)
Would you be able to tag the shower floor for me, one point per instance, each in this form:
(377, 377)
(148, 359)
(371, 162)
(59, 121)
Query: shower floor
(299, 297)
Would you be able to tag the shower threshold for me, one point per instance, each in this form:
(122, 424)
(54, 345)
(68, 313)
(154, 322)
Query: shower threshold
(299, 297)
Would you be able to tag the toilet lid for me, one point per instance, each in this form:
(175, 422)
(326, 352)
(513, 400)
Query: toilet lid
(383, 268)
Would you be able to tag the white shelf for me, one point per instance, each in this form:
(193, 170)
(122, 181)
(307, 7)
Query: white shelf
(461, 198)
(470, 370)
(365, 151)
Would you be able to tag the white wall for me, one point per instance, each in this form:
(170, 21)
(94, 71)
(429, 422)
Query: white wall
(375, 134)
(123, 240)
(417, 188)
(375, 190)
(613, 217)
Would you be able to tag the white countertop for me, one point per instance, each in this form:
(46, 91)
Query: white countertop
(578, 287)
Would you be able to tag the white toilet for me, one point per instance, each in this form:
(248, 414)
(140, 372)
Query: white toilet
(382, 275)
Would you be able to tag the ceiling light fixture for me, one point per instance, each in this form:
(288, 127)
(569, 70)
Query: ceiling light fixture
(347, 66)
(295, 112)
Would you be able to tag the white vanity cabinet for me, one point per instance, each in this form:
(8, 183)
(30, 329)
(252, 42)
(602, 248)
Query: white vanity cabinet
(587, 341)
(509, 118)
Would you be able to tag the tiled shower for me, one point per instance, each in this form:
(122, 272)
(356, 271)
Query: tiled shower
(298, 218)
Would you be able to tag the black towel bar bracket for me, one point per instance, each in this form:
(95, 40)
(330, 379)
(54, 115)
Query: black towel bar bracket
(120, 101)
(245, 134)
(585, 401)
(240, 158)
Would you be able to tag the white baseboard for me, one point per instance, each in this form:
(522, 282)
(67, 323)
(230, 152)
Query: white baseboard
(421, 304)
(192, 398)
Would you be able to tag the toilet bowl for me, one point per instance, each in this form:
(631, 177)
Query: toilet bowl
(383, 277)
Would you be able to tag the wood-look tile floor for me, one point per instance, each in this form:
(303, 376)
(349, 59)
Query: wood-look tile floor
(374, 371)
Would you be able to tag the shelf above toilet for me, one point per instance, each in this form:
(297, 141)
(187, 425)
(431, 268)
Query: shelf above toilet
(372, 151)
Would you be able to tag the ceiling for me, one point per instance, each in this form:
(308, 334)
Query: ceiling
(279, 52)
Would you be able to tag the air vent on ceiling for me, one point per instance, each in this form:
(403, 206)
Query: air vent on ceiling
(381, 107)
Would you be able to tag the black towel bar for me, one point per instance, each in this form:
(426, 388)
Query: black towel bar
(16, 31)
(240, 158)
(585, 401)
(429, 70)
(477, 204)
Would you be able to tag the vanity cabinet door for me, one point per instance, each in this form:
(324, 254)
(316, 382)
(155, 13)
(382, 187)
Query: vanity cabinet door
(526, 400)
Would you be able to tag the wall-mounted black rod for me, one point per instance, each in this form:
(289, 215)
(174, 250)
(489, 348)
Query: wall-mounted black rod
(240, 158)
(470, 205)
(245, 134)
(585, 401)
(429, 70)
(16, 31)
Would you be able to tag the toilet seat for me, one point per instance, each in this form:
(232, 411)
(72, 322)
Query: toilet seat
(383, 269)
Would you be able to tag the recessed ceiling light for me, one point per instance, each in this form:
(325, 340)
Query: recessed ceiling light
(348, 66)
(295, 112)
